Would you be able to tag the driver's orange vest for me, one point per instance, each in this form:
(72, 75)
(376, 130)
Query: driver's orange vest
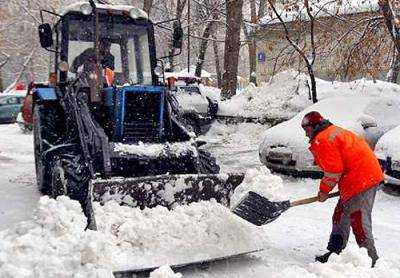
(341, 152)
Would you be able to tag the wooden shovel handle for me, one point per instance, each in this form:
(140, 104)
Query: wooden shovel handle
(311, 199)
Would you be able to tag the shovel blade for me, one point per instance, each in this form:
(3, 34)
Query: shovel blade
(258, 210)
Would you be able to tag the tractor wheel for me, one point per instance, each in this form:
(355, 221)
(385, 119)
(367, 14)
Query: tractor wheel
(45, 135)
(69, 177)
(208, 163)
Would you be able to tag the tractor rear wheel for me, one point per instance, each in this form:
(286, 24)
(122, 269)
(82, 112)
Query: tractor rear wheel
(45, 135)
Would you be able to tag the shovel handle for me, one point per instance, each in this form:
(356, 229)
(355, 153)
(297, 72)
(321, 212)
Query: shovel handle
(311, 199)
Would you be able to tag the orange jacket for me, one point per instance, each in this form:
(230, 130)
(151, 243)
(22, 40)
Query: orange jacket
(346, 160)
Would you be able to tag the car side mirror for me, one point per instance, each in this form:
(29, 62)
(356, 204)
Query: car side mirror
(177, 37)
(367, 121)
(45, 35)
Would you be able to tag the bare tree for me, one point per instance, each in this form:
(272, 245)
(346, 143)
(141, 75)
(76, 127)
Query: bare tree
(147, 4)
(390, 13)
(308, 61)
(251, 39)
(232, 46)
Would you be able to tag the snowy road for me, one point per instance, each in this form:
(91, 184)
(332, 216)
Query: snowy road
(293, 239)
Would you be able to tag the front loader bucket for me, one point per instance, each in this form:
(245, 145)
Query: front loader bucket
(166, 190)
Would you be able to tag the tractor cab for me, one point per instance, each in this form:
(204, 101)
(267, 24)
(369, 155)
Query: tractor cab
(108, 51)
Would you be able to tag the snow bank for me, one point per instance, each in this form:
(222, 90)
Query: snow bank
(261, 181)
(54, 243)
(351, 263)
(287, 94)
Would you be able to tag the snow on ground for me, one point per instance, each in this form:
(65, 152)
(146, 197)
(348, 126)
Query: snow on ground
(17, 176)
(126, 238)
(52, 241)
(288, 93)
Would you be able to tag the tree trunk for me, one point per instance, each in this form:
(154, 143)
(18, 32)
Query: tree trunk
(392, 24)
(217, 65)
(232, 47)
(253, 45)
(147, 6)
(203, 48)
(395, 67)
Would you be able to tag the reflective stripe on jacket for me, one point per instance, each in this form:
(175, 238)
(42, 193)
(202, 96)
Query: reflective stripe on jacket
(346, 159)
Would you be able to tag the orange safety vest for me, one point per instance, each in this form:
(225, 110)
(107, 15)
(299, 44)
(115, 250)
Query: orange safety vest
(347, 160)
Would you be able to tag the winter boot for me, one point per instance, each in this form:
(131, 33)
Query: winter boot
(373, 263)
(323, 258)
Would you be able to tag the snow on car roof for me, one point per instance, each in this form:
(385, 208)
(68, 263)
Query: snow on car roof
(76, 7)
(326, 8)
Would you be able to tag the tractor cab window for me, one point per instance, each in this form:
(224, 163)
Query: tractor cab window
(123, 47)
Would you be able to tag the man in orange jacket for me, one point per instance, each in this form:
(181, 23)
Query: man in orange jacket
(347, 161)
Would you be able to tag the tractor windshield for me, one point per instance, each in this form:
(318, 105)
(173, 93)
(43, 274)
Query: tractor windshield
(123, 47)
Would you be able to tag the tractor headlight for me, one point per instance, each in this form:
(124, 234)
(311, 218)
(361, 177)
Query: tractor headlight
(86, 9)
(63, 66)
(136, 13)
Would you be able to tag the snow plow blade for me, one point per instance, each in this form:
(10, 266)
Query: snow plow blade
(166, 190)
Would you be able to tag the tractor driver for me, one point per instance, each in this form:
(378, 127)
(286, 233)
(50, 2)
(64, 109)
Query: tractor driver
(88, 58)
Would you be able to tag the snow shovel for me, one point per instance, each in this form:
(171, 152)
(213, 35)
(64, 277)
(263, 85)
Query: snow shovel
(258, 210)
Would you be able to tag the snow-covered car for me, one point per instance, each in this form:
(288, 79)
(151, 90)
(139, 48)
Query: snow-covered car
(10, 106)
(197, 109)
(387, 150)
(284, 147)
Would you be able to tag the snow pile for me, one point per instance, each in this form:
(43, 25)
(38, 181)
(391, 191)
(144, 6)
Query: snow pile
(54, 243)
(288, 93)
(156, 150)
(165, 272)
(261, 181)
(351, 263)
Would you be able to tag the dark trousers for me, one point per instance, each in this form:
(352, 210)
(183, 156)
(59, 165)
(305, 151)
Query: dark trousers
(355, 213)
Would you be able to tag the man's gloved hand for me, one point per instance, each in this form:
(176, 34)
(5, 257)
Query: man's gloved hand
(322, 196)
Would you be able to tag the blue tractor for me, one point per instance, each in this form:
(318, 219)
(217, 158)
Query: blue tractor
(105, 125)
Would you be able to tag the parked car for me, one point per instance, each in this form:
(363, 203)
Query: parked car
(10, 106)
(197, 109)
(387, 149)
(284, 147)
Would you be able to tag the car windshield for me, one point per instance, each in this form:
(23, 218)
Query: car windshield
(128, 47)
